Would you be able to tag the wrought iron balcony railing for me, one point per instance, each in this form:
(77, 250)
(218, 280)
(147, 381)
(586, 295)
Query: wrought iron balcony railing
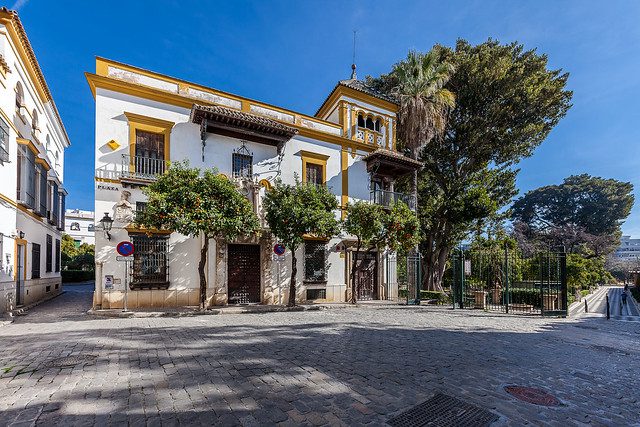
(145, 168)
(388, 198)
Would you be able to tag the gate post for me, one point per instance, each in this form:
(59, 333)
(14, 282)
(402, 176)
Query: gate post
(563, 280)
(542, 271)
(461, 266)
(506, 278)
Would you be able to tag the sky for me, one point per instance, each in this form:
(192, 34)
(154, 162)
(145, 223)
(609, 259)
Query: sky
(292, 53)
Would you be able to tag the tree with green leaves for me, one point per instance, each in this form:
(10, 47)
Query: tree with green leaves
(296, 211)
(584, 214)
(507, 101)
(198, 204)
(375, 227)
(75, 257)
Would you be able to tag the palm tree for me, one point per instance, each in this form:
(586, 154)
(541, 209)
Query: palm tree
(424, 102)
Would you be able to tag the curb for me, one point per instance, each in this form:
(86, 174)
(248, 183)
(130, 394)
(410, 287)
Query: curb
(22, 311)
(118, 313)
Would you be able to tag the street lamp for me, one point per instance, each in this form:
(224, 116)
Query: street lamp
(106, 222)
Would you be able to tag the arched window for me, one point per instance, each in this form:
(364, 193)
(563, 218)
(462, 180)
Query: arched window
(360, 121)
(369, 123)
(19, 95)
(378, 125)
(34, 120)
(47, 143)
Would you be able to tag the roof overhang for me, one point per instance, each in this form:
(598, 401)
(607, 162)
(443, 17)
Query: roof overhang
(239, 124)
(356, 92)
(390, 163)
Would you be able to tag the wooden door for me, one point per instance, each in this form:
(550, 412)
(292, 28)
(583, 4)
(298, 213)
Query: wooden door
(366, 276)
(244, 274)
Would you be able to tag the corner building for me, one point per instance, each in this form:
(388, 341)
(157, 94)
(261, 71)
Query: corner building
(32, 194)
(145, 120)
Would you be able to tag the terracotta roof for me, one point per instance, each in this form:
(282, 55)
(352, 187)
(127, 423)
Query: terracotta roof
(384, 154)
(240, 119)
(361, 86)
(4, 65)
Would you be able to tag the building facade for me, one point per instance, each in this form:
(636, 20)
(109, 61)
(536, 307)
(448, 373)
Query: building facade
(80, 225)
(145, 120)
(32, 144)
(629, 248)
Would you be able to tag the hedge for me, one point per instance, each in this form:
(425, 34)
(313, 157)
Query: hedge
(441, 297)
(70, 276)
(530, 296)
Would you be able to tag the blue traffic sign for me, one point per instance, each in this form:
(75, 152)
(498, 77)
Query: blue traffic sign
(125, 248)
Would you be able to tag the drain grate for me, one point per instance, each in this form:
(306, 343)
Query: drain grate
(445, 411)
(532, 395)
(65, 362)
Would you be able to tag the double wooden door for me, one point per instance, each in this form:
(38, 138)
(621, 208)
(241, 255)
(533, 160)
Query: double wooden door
(244, 274)
(366, 275)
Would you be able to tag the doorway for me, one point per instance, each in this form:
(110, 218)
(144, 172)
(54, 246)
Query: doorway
(244, 274)
(366, 275)
(20, 266)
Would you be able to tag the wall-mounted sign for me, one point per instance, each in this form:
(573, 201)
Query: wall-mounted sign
(108, 282)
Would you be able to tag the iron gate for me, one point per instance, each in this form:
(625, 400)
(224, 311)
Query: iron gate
(404, 273)
(508, 282)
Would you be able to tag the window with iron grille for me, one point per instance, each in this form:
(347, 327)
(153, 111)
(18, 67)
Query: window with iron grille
(57, 256)
(315, 262)
(35, 261)
(242, 165)
(150, 262)
(140, 208)
(4, 141)
(49, 254)
(314, 174)
(41, 192)
(26, 188)
(316, 294)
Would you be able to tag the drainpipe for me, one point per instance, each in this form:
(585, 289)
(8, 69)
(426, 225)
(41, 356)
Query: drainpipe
(97, 294)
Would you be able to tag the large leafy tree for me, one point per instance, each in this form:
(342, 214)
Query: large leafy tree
(375, 227)
(507, 101)
(296, 211)
(198, 203)
(582, 213)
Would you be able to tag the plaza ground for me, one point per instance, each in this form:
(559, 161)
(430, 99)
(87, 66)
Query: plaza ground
(347, 366)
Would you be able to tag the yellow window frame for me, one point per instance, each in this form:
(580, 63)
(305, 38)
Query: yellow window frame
(147, 124)
(314, 159)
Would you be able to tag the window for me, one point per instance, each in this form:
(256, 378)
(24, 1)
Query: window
(360, 121)
(150, 262)
(34, 120)
(91, 227)
(149, 155)
(4, 141)
(315, 261)
(377, 126)
(369, 124)
(57, 256)
(242, 165)
(19, 96)
(61, 208)
(314, 174)
(75, 226)
(26, 188)
(140, 208)
(35, 261)
(316, 294)
(41, 191)
(49, 254)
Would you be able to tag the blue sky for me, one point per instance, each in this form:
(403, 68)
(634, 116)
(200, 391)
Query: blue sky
(291, 53)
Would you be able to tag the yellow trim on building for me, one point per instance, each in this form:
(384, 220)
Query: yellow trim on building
(29, 144)
(341, 90)
(315, 159)
(147, 124)
(344, 167)
(44, 162)
(21, 242)
(109, 180)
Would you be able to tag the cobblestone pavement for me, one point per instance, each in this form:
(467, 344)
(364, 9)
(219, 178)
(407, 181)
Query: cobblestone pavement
(334, 367)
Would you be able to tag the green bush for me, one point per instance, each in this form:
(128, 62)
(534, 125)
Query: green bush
(70, 276)
(530, 296)
(585, 292)
(441, 297)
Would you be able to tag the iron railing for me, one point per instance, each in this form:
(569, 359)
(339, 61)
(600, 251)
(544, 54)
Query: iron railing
(4, 154)
(139, 167)
(388, 198)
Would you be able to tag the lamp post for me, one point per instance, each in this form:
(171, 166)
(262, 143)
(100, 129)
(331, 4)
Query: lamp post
(106, 222)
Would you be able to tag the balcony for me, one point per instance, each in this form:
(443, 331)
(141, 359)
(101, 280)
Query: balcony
(388, 198)
(138, 168)
(370, 137)
(4, 155)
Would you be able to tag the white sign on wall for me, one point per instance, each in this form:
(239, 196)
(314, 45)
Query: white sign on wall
(108, 282)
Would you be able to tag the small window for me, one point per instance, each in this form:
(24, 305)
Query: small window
(369, 124)
(4, 141)
(35, 261)
(377, 125)
(150, 262)
(91, 227)
(314, 174)
(360, 120)
(75, 226)
(242, 165)
(19, 95)
(315, 261)
(49, 254)
(313, 294)
(140, 208)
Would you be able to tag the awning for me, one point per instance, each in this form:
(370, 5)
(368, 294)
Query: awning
(390, 163)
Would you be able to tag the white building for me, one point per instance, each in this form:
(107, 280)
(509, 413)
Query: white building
(145, 119)
(629, 248)
(32, 144)
(80, 226)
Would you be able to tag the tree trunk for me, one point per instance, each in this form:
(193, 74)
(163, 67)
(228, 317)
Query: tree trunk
(292, 285)
(203, 276)
(353, 273)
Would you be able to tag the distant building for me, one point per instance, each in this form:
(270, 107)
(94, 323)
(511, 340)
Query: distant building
(629, 248)
(32, 194)
(80, 225)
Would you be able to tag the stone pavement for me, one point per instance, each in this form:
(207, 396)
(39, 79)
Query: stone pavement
(334, 367)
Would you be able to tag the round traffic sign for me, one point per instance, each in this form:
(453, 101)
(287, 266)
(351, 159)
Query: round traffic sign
(278, 249)
(125, 248)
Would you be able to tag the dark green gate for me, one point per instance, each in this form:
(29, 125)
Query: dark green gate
(506, 281)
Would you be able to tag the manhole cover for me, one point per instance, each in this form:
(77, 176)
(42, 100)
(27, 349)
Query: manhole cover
(532, 395)
(443, 410)
(63, 362)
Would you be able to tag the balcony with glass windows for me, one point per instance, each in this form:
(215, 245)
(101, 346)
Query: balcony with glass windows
(141, 169)
(389, 198)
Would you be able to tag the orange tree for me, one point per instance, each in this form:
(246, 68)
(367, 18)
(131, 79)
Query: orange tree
(198, 203)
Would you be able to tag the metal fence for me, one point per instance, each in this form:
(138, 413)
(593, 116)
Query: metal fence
(508, 282)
